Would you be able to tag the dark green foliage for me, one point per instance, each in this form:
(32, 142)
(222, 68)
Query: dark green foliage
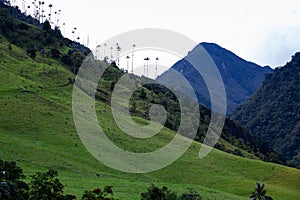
(43, 186)
(46, 26)
(31, 53)
(260, 193)
(272, 114)
(143, 94)
(155, 193)
(114, 64)
(55, 53)
(36, 38)
(191, 195)
(67, 60)
(98, 194)
(13, 172)
(23, 26)
(11, 186)
(46, 186)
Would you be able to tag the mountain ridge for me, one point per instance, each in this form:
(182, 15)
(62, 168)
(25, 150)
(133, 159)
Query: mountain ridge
(241, 78)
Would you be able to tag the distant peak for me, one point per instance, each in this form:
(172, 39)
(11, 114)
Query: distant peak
(268, 67)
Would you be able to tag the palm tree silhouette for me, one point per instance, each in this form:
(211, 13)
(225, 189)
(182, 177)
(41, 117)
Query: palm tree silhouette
(118, 54)
(260, 193)
(127, 58)
(147, 60)
(133, 46)
(157, 59)
(104, 54)
(50, 6)
(64, 24)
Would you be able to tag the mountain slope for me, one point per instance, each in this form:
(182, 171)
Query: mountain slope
(241, 78)
(273, 112)
(37, 131)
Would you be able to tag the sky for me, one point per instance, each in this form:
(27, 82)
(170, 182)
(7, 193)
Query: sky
(266, 32)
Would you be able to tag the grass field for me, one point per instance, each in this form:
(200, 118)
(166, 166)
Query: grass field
(37, 130)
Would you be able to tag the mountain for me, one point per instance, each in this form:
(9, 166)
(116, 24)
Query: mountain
(241, 78)
(273, 112)
(37, 127)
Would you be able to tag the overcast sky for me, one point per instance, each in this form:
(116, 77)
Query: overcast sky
(266, 32)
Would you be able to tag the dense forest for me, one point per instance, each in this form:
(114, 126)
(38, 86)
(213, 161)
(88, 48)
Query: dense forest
(273, 113)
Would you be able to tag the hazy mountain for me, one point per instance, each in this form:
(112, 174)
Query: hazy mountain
(273, 113)
(241, 78)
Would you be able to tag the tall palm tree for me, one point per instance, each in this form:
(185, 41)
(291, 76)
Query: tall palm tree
(118, 54)
(133, 46)
(127, 58)
(59, 11)
(39, 10)
(104, 50)
(157, 59)
(147, 60)
(260, 193)
(74, 30)
(111, 54)
(64, 24)
(43, 3)
(50, 6)
(24, 6)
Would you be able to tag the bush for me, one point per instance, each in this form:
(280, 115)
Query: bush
(65, 59)
(31, 53)
(46, 26)
(98, 194)
(192, 195)
(46, 186)
(143, 94)
(55, 53)
(11, 186)
(155, 193)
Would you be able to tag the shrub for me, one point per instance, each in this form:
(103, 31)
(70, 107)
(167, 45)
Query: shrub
(155, 193)
(31, 53)
(46, 186)
(55, 53)
(98, 194)
(192, 195)
(11, 186)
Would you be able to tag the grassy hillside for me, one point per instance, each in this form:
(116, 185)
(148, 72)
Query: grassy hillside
(37, 131)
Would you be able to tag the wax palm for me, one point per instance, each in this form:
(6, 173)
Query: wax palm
(260, 193)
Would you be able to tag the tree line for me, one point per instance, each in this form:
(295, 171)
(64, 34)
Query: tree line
(47, 186)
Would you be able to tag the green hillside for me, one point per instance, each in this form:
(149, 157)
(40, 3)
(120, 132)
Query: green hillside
(37, 130)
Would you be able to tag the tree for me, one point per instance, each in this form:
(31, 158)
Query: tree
(31, 53)
(46, 26)
(143, 94)
(5, 2)
(46, 186)
(98, 194)
(191, 195)
(11, 186)
(260, 193)
(155, 193)
(55, 53)
(50, 6)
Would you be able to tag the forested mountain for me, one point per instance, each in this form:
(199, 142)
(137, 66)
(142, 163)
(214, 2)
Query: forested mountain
(241, 78)
(273, 112)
